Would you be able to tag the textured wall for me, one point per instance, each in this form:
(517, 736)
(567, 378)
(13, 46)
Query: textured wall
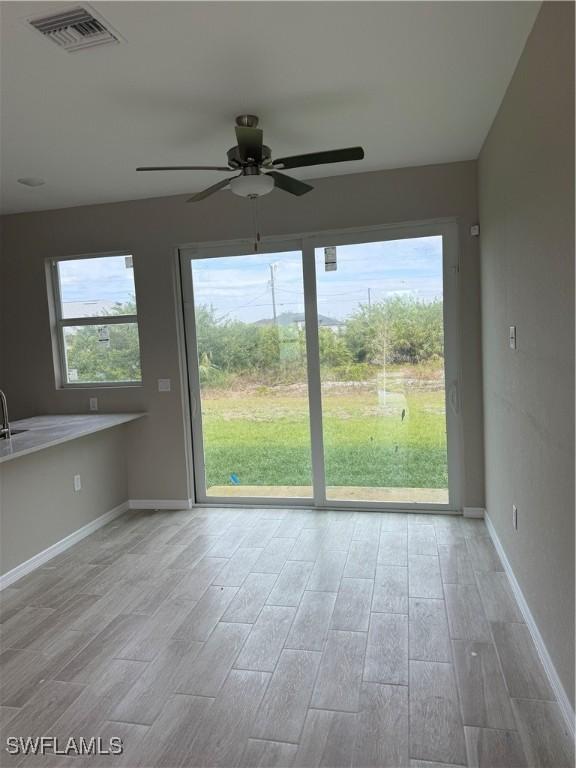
(526, 176)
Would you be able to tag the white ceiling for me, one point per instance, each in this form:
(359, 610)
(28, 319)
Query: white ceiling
(413, 82)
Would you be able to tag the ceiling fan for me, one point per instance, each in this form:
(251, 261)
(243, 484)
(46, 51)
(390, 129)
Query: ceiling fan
(258, 173)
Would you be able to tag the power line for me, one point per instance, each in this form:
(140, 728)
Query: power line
(244, 306)
(322, 293)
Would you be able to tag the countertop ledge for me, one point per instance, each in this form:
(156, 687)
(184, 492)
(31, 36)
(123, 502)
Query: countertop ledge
(47, 431)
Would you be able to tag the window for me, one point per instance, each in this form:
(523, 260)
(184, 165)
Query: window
(96, 320)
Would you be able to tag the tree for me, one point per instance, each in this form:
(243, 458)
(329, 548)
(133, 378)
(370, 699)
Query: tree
(334, 352)
(93, 359)
(398, 330)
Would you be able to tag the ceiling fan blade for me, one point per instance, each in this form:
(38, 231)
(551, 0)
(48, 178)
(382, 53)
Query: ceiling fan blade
(288, 184)
(184, 168)
(210, 190)
(319, 158)
(249, 143)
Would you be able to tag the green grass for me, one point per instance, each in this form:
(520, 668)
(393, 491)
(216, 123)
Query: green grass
(264, 438)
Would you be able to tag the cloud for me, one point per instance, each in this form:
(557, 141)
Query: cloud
(97, 279)
(239, 286)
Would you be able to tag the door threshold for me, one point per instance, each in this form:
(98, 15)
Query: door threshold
(299, 504)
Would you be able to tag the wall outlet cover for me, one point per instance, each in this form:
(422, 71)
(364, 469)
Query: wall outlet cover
(77, 483)
(93, 403)
(164, 385)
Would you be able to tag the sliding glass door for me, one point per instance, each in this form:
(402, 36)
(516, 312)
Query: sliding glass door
(324, 370)
(250, 392)
(381, 332)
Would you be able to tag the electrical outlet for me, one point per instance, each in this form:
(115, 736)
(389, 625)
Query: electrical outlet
(93, 403)
(164, 385)
(515, 517)
(77, 483)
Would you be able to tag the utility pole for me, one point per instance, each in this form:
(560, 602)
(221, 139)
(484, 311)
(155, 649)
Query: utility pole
(369, 299)
(272, 275)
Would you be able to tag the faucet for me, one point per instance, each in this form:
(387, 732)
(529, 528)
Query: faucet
(4, 423)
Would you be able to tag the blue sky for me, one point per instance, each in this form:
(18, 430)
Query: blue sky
(104, 280)
(239, 287)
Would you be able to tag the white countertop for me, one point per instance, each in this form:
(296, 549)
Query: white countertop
(46, 431)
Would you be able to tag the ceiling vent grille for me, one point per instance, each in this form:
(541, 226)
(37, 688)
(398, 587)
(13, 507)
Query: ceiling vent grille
(75, 29)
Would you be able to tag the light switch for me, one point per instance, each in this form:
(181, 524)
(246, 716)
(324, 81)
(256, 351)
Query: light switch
(164, 385)
(512, 337)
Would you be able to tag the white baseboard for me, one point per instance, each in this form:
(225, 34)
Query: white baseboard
(474, 512)
(554, 680)
(60, 546)
(160, 504)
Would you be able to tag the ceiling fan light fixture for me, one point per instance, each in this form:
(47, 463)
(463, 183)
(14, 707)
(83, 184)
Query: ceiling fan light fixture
(255, 185)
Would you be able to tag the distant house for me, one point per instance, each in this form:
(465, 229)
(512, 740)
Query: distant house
(90, 308)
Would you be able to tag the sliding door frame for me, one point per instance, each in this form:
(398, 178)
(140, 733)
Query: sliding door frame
(306, 244)
(230, 249)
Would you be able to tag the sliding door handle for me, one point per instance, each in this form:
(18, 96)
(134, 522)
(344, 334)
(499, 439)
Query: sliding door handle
(454, 397)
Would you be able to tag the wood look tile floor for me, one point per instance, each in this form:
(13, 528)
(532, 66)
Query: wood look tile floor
(278, 637)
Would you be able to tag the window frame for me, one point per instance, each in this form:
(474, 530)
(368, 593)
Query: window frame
(59, 323)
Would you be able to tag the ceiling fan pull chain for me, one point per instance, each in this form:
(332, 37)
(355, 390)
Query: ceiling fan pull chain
(254, 203)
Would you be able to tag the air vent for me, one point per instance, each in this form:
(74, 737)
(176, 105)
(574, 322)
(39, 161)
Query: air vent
(75, 29)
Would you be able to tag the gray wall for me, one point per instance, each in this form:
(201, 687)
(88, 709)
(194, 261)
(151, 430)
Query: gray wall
(527, 252)
(38, 505)
(150, 230)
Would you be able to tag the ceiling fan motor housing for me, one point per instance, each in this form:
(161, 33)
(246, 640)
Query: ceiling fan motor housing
(235, 161)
